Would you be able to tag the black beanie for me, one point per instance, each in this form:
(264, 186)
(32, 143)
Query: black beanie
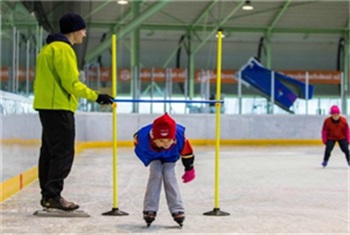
(71, 22)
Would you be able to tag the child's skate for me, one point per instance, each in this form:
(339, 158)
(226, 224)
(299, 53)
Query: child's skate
(179, 217)
(149, 217)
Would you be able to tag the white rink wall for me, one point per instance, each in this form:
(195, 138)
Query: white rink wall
(98, 126)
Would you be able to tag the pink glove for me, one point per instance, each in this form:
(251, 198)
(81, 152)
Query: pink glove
(324, 136)
(189, 176)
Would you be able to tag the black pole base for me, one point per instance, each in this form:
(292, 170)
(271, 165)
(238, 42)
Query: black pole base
(216, 212)
(115, 212)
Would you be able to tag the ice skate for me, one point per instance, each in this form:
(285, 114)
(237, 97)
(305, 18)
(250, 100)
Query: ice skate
(59, 208)
(324, 163)
(149, 217)
(179, 217)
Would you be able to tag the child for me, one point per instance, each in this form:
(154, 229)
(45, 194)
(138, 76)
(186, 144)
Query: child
(160, 145)
(335, 129)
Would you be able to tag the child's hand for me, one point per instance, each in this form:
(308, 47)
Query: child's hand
(324, 136)
(189, 175)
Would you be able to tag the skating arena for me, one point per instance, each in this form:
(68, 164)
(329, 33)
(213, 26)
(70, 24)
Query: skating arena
(268, 186)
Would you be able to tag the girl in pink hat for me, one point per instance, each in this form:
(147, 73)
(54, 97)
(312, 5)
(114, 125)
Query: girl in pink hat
(335, 129)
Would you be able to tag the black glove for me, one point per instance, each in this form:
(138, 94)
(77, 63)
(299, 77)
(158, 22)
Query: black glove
(104, 99)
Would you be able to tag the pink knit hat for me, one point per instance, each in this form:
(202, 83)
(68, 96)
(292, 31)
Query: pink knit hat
(334, 110)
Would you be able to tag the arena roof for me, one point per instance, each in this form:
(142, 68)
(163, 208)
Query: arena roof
(168, 20)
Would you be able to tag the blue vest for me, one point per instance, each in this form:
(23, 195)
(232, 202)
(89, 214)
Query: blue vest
(146, 153)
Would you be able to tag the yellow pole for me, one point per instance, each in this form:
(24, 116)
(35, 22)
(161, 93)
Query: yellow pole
(216, 211)
(218, 109)
(114, 128)
(115, 210)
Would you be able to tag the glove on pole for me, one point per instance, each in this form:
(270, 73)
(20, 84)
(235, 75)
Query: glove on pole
(104, 99)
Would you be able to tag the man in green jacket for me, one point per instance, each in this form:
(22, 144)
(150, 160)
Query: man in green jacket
(56, 91)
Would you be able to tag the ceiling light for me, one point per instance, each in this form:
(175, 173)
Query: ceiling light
(247, 6)
(122, 2)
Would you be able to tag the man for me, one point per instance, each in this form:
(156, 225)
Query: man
(56, 91)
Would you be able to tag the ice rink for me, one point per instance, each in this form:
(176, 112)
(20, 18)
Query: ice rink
(266, 190)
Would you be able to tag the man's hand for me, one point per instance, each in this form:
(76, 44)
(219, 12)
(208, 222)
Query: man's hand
(104, 99)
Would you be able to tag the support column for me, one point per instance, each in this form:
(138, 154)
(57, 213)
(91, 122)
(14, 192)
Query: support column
(345, 77)
(190, 71)
(135, 58)
(269, 107)
(0, 48)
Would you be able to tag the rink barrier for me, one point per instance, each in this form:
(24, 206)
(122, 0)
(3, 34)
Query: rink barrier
(17, 183)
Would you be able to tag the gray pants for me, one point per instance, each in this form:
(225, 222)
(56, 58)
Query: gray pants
(165, 172)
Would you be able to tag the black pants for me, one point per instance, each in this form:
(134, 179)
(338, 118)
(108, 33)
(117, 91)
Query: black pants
(57, 150)
(343, 144)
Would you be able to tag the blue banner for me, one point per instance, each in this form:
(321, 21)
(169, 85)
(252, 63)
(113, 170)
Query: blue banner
(285, 89)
